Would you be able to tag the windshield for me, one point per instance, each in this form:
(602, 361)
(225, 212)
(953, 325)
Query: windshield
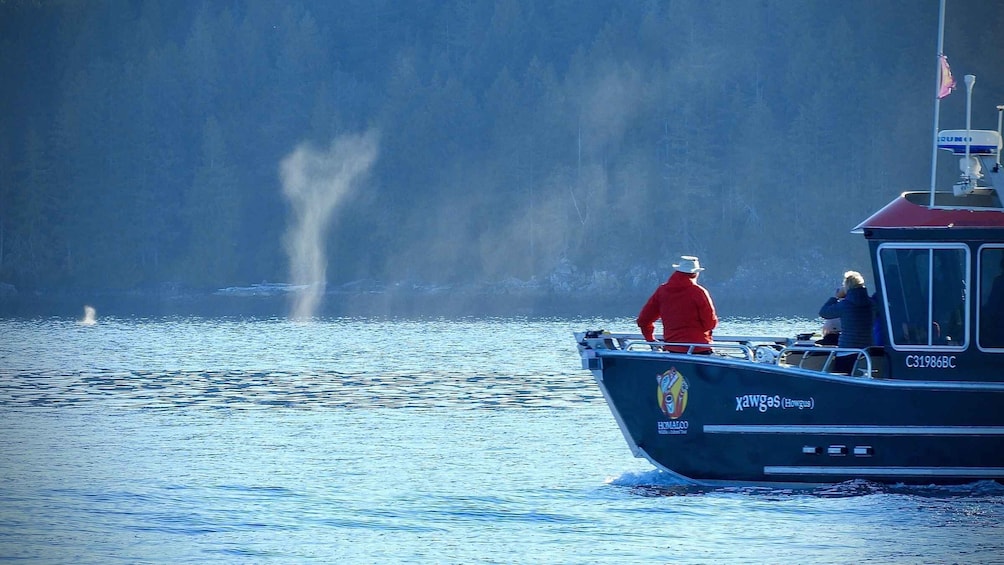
(924, 286)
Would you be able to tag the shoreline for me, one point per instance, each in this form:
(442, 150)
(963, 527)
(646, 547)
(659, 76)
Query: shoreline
(439, 303)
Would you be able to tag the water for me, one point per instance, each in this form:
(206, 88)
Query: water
(393, 441)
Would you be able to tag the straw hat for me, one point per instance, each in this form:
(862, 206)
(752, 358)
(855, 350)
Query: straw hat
(688, 264)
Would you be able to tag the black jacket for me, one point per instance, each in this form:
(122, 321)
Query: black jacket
(855, 313)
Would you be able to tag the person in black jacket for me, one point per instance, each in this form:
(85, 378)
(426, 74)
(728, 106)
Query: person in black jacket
(853, 306)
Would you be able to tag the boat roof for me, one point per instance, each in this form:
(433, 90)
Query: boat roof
(913, 210)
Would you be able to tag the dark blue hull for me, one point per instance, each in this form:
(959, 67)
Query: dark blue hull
(719, 419)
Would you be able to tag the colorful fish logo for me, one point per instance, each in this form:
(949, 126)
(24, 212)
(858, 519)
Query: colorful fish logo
(673, 389)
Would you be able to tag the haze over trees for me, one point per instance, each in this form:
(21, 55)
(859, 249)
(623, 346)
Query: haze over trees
(569, 144)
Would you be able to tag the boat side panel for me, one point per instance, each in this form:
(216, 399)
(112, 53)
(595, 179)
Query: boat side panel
(731, 421)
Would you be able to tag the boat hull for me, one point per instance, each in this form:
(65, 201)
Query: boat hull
(711, 419)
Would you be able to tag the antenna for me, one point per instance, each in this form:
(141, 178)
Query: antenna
(937, 100)
(1000, 132)
(969, 165)
(970, 81)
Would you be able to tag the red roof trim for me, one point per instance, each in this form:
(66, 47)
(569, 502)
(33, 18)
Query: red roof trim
(901, 213)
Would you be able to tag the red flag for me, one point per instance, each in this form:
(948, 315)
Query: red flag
(947, 83)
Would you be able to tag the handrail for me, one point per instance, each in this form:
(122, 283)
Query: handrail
(831, 355)
(718, 339)
(754, 349)
(742, 347)
(726, 349)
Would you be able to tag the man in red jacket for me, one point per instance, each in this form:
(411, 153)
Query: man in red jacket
(685, 307)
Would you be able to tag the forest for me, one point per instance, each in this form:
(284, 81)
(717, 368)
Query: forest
(564, 146)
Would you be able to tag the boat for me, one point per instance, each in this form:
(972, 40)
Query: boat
(927, 407)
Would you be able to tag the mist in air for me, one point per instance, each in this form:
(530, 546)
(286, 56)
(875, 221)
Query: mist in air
(316, 182)
(90, 316)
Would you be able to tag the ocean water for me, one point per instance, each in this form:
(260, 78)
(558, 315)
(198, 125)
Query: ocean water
(356, 440)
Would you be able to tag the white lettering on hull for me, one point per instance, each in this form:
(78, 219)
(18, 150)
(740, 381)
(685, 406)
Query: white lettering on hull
(673, 427)
(765, 402)
(930, 361)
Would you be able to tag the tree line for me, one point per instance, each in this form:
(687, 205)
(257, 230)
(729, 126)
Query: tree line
(575, 143)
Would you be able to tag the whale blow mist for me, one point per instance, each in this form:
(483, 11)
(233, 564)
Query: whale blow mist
(315, 182)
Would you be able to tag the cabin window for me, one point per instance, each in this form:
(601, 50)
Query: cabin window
(991, 312)
(924, 289)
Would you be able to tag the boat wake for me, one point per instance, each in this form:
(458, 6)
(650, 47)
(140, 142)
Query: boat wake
(660, 483)
(657, 483)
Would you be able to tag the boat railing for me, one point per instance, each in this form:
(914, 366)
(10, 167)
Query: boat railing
(781, 351)
(823, 358)
(721, 348)
(750, 348)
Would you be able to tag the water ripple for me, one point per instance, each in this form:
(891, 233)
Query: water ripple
(390, 441)
(265, 364)
(243, 390)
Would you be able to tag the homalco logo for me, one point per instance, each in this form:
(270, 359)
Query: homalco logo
(673, 389)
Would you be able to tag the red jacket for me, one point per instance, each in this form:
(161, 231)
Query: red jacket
(686, 310)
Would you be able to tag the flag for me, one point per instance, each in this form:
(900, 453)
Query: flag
(947, 82)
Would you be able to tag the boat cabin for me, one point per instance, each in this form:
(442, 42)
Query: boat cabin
(938, 261)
